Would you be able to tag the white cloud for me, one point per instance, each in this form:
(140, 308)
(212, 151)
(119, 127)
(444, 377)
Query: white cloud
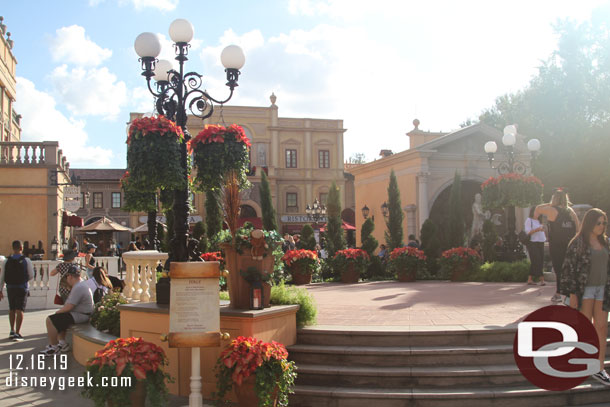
(164, 5)
(71, 46)
(43, 122)
(89, 91)
(141, 100)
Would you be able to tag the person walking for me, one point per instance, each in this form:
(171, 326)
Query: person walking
(586, 278)
(63, 289)
(563, 224)
(77, 309)
(16, 273)
(89, 259)
(535, 230)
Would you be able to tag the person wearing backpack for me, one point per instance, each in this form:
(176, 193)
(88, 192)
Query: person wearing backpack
(16, 273)
(563, 224)
(99, 284)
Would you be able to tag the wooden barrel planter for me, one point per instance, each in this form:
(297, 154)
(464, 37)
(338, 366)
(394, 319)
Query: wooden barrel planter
(298, 276)
(407, 276)
(351, 275)
(239, 288)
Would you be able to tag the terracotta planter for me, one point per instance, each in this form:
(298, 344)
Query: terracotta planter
(239, 288)
(351, 275)
(137, 396)
(246, 396)
(407, 276)
(459, 271)
(298, 277)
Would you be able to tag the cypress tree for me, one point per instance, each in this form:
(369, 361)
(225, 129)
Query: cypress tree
(269, 216)
(369, 243)
(213, 215)
(430, 245)
(394, 232)
(335, 239)
(456, 217)
(199, 234)
(308, 239)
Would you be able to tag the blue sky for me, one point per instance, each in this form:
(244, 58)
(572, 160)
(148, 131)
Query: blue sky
(376, 65)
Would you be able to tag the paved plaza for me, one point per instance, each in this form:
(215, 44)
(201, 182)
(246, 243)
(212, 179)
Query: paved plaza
(420, 304)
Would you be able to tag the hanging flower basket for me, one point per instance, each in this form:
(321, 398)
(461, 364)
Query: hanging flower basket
(216, 151)
(134, 200)
(511, 190)
(406, 262)
(153, 154)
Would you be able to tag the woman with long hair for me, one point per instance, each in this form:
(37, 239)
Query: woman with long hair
(99, 279)
(586, 278)
(535, 230)
(563, 224)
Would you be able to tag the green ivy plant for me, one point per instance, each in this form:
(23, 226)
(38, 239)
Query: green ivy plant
(106, 315)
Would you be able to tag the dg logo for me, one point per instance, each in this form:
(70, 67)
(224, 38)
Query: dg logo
(556, 348)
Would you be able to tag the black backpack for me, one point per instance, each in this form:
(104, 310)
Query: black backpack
(98, 294)
(15, 271)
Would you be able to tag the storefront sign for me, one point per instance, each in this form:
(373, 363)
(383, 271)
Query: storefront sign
(301, 219)
(163, 219)
(72, 197)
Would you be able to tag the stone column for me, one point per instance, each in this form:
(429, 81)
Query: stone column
(411, 219)
(422, 194)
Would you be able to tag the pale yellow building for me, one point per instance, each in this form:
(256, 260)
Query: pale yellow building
(425, 173)
(10, 128)
(301, 156)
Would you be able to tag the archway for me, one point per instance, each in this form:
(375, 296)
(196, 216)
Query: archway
(439, 213)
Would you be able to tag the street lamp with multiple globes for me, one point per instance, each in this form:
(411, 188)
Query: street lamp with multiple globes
(316, 211)
(509, 140)
(177, 91)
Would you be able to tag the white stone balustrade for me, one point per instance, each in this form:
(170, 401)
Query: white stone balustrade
(141, 274)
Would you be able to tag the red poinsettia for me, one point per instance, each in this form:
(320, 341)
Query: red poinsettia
(143, 356)
(156, 124)
(512, 177)
(292, 256)
(407, 251)
(217, 134)
(245, 355)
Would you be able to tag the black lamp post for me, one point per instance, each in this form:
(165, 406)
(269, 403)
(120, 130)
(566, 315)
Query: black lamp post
(316, 211)
(385, 211)
(511, 166)
(366, 211)
(177, 91)
(54, 247)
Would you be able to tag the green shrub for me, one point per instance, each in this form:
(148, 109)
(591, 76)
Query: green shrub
(500, 271)
(288, 295)
(224, 295)
(106, 315)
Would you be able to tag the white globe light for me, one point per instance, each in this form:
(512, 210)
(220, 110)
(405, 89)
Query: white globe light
(510, 129)
(181, 30)
(491, 147)
(147, 45)
(161, 69)
(509, 139)
(232, 57)
(533, 145)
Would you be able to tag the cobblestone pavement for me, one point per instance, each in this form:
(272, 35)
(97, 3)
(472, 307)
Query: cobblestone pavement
(427, 303)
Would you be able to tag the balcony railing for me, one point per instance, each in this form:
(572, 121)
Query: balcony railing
(32, 154)
(141, 274)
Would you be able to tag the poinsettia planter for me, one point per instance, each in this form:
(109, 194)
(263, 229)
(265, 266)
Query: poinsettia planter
(137, 398)
(246, 395)
(407, 276)
(239, 288)
(350, 275)
(300, 276)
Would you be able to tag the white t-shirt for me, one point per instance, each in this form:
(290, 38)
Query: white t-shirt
(531, 224)
(82, 299)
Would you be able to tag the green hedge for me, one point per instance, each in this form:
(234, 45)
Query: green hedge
(500, 271)
(288, 295)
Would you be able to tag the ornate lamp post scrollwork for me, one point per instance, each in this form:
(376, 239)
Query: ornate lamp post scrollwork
(316, 211)
(509, 166)
(177, 91)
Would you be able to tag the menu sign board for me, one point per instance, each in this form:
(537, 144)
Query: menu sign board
(194, 305)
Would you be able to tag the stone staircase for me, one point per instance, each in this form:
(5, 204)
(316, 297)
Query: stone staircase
(394, 367)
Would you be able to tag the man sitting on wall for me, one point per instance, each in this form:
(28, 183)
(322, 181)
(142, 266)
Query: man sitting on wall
(77, 309)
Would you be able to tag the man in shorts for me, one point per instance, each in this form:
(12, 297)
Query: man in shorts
(16, 273)
(77, 309)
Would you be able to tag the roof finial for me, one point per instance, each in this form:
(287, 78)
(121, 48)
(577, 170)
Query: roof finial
(10, 42)
(2, 25)
(273, 98)
(416, 124)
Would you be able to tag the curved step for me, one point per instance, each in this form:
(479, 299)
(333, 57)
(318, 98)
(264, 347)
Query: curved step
(317, 396)
(409, 377)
